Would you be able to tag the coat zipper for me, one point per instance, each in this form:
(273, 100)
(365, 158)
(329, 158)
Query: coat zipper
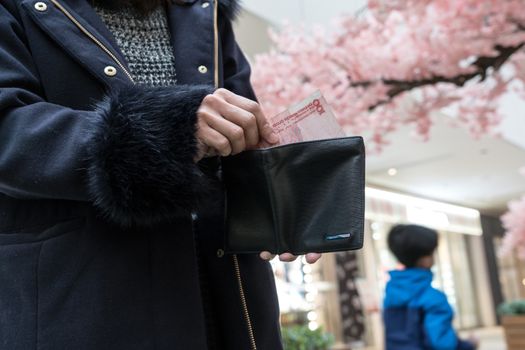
(253, 345)
(92, 37)
(244, 304)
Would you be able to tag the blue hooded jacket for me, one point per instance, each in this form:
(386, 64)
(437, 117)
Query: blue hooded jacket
(418, 316)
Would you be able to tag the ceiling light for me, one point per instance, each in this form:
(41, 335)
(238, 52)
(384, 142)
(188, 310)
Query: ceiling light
(392, 171)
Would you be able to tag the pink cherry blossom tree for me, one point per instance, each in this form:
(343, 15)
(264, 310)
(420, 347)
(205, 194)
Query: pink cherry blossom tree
(458, 56)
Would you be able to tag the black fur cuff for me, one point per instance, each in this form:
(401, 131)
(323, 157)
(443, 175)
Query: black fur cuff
(141, 170)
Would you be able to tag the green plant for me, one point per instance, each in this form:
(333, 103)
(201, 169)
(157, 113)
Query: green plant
(302, 338)
(512, 308)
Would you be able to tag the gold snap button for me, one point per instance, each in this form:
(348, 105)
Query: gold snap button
(203, 69)
(110, 71)
(41, 6)
(220, 253)
(205, 5)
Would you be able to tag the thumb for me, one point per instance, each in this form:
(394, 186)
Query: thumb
(267, 132)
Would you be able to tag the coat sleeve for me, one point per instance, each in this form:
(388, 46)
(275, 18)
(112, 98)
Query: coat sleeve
(437, 323)
(132, 156)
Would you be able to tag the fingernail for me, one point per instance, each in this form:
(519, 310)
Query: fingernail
(273, 138)
(312, 258)
(287, 257)
(266, 256)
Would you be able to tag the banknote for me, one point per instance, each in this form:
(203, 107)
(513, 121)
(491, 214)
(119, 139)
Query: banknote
(308, 120)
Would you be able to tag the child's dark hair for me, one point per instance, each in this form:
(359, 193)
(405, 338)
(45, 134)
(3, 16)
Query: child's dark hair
(409, 243)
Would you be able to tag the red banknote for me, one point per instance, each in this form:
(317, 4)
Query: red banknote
(311, 119)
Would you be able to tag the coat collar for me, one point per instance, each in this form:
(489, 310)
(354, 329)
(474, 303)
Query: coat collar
(87, 13)
(229, 8)
(191, 27)
(53, 19)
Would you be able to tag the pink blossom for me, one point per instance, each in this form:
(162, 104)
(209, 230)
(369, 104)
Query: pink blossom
(419, 43)
(514, 223)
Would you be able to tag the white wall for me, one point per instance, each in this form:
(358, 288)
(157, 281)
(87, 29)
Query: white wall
(513, 126)
(251, 32)
(302, 11)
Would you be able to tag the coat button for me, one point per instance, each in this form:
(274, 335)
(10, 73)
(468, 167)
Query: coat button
(220, 253)
(40, 6)
(205, 5)
(203, 69)
(110, 71)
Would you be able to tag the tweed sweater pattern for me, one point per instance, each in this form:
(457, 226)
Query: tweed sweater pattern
(144, 42)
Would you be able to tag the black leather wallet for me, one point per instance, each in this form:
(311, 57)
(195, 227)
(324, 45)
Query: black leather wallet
(298, 198)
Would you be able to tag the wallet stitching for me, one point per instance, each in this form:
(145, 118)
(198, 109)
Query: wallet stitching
(272, 201)
(362, 180)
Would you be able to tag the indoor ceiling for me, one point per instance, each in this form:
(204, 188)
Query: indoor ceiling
(451, 167)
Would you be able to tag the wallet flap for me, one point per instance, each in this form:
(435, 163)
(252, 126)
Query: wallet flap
(318, 191)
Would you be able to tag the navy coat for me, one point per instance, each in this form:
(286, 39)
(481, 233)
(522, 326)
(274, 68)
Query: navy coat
(110, 235)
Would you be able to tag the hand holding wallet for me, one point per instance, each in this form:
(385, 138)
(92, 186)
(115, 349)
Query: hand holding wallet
(298, 197)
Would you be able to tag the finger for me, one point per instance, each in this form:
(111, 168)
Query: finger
(287, 257)
(215, 140)
(312, 258)
(267, 256)
(241, 117)
(265, 130)
(234, 133)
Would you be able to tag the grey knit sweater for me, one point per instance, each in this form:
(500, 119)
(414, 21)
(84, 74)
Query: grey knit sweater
(145, 43)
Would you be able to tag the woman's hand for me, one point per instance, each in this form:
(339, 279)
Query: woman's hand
(311, 258)
(229, 124)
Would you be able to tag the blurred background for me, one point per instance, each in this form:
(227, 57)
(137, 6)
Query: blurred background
(449, 180)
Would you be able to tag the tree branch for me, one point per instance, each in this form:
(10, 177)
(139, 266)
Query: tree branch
(482, 65)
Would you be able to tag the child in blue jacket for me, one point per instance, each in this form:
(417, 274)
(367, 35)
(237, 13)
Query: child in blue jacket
(416, 315)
